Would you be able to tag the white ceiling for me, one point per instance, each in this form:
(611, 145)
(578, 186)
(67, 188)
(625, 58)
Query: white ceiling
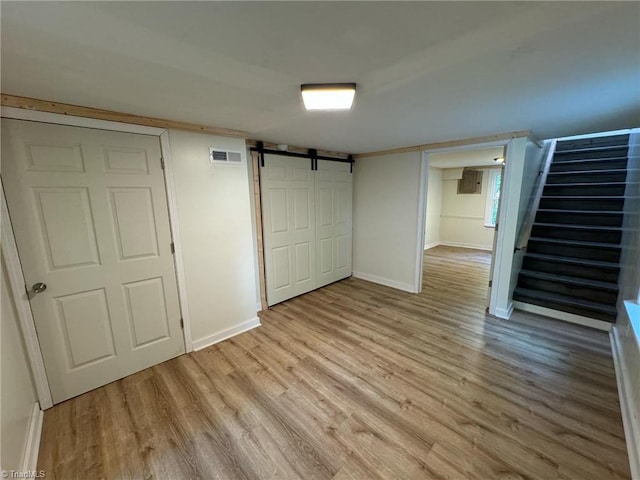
(467, 158)
(426, 71)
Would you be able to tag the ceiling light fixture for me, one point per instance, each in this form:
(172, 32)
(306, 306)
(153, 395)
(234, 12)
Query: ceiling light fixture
(328, 96)
(499, 159)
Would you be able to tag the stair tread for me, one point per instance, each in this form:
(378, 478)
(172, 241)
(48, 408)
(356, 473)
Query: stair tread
(604, 137)
(586, 197)
(591, 160)
(577, 227)
(581, 212)
(580, 243)
(566, 299)
(583, 172)
(593, 149)
(577, 261)
(584, 282)
(586, 184)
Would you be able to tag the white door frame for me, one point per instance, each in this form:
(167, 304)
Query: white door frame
(12, 259)
(422, 211)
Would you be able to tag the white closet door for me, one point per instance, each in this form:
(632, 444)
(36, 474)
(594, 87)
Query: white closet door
(333, 195)
(90, 216)
(287, 189)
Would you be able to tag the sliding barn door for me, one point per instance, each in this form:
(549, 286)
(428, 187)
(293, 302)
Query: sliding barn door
(306, 224)
(333, 185)
(289, 227)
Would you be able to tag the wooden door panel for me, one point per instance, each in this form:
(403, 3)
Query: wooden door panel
(281, 267)
(54, 158)
(86, 339)
(146, 311)
(127, 161)
(278, 208)
(134, 222)
(302, 262)
(66, 228)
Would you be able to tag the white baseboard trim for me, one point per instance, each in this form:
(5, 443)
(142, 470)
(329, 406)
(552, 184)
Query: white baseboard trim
(32, 442)
(225, 334)
(564, 316)
(628, 405)
(431, 245)
(385, 281)
(467, 245)
(504, 313)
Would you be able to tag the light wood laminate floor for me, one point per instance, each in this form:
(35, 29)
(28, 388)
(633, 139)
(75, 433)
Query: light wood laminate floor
(360, 381)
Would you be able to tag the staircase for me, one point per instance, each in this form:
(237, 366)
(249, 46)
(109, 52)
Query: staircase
(572, 257)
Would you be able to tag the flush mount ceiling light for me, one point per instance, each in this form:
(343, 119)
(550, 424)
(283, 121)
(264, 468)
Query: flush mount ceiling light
(328, 96)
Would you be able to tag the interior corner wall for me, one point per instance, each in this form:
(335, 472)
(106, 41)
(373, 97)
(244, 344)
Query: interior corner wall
(214, 214)
(462, 219)
(386, 200)
(17, 389)
(625, 334)
(629, 279)
(510, 220)
(433, 207)
(534, 157)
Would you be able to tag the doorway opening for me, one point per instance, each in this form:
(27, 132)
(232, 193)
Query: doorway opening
(463, 192)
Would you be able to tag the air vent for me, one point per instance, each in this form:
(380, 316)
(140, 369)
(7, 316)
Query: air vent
(224, 157)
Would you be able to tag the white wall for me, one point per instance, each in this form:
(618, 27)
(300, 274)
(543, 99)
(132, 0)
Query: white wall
(521, 159)
(534, 157)
(462, 219)
(386, 198)
(626, 340)
(17, 390)
(216, 234)
(434, 208)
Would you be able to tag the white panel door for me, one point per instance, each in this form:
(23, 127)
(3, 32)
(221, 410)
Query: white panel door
(90, 216)
(333, 192)
(288, 227)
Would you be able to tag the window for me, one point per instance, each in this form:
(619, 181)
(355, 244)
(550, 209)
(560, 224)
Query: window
(493, 198)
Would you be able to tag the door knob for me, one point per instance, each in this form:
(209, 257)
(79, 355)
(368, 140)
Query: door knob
(39, 287)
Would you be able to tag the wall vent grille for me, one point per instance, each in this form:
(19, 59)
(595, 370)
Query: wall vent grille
(220, 156)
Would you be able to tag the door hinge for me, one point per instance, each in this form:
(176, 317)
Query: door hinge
(162, 163)
(490, 283)
(173, 248)
(182, 323)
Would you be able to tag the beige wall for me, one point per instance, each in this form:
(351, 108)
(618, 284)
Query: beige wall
(17, 391)
(462, 218)
(217, 240)
(386, 198)
(434, 208)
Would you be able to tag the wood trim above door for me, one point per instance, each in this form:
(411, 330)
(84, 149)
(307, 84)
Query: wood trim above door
(119, 117)
(469, 143)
